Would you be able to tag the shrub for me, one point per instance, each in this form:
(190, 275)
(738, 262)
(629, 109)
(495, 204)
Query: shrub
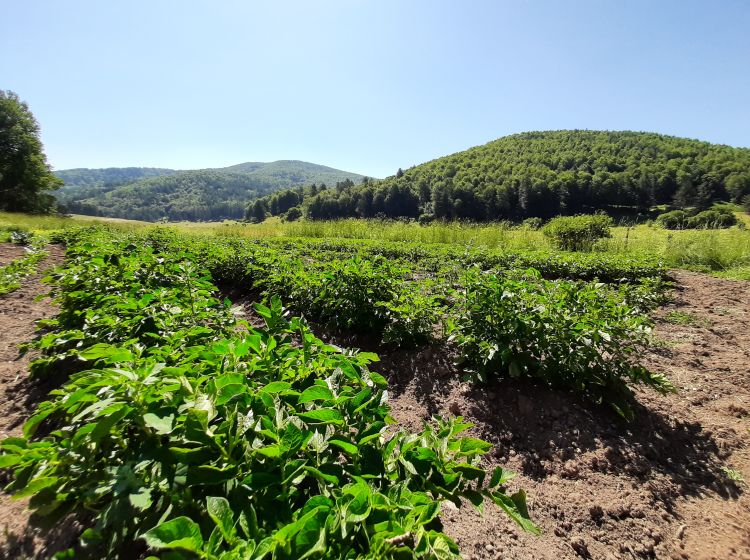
(676, 219)
(533, 223)
(578, 233)
(293, 214)
(715, 218)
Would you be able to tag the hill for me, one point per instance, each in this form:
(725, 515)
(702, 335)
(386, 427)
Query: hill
(542, 174)
(204, 194)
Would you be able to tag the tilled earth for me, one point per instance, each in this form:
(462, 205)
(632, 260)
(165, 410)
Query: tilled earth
(19, 538)
(659, 487)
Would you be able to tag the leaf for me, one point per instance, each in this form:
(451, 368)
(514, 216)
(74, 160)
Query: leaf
(158, 424)
(349, 448)
(8, 460)
(112, 354)
(221, 513)
(181, 532)
(270, 451)
(35, 486)
(141, 500)
(473, 446)
(500, 477)
(315, 393)
(276, 387)
(515, 507)
(378, 380)
(322, 416)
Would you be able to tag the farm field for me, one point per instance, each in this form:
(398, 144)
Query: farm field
(194, 414)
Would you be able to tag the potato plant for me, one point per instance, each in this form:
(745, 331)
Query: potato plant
(198, 439)
(12, 273)
(579, 336)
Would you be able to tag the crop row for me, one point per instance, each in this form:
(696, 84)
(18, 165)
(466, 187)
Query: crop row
(600, 329)
(436, 258)
(12, 273)
(196, 435)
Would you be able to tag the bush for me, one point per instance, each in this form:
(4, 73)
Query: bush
(718, 217)
(715, 218)
(676, 219)
(293, 214)
(578, 233)
(533, 223)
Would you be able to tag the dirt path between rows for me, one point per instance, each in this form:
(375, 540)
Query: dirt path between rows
(18, 396)
(659, 487)
(600, 488)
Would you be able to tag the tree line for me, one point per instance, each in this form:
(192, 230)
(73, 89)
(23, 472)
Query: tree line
(539, 174)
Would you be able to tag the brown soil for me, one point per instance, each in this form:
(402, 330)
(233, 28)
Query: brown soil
(597, 487)
(10, 252)
(19, 537)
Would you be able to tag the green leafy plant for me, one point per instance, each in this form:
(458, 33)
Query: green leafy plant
(578, 233)
(572, 335)
(195, 437)
(15, 271)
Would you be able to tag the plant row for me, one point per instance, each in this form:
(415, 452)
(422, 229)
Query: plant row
(12, 273)
(386, 299)
(198, 436)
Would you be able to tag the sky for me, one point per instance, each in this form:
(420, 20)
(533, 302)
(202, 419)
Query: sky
(365, 86)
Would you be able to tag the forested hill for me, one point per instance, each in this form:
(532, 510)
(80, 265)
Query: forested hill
(544, 174)
(204, 194)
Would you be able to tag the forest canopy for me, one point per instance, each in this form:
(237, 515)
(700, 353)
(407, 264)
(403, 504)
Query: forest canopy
(153, 194)
(538, 174)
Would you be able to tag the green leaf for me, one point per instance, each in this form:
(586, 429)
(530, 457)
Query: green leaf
(181, 532)
(515, 507)
(221, 513)
(500, 477)
(276, 387)
(349, 448)
(112, 354)
(315, 393)
(141, 500)
(9, 460)
(322, 416)
(36, 485)
(473, 446)
(158, 424)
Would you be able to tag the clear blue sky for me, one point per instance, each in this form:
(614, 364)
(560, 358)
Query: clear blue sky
(366, 86)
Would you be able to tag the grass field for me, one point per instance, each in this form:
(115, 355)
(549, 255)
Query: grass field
(723, 252)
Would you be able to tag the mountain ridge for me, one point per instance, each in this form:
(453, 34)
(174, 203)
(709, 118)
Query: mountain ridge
(152, 194)
(541, 174)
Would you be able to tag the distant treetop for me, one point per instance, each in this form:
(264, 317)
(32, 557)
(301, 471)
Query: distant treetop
(544, 174)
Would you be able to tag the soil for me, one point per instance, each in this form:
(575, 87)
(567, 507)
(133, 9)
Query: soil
(19, 535)
(597, 487)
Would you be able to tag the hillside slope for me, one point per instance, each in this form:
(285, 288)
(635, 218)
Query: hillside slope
(548, 173)
(204, 194)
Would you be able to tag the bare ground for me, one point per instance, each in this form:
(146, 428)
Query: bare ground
(598, 488)
(19, 538)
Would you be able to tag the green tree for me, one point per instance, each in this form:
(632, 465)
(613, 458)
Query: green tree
(25, 175)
